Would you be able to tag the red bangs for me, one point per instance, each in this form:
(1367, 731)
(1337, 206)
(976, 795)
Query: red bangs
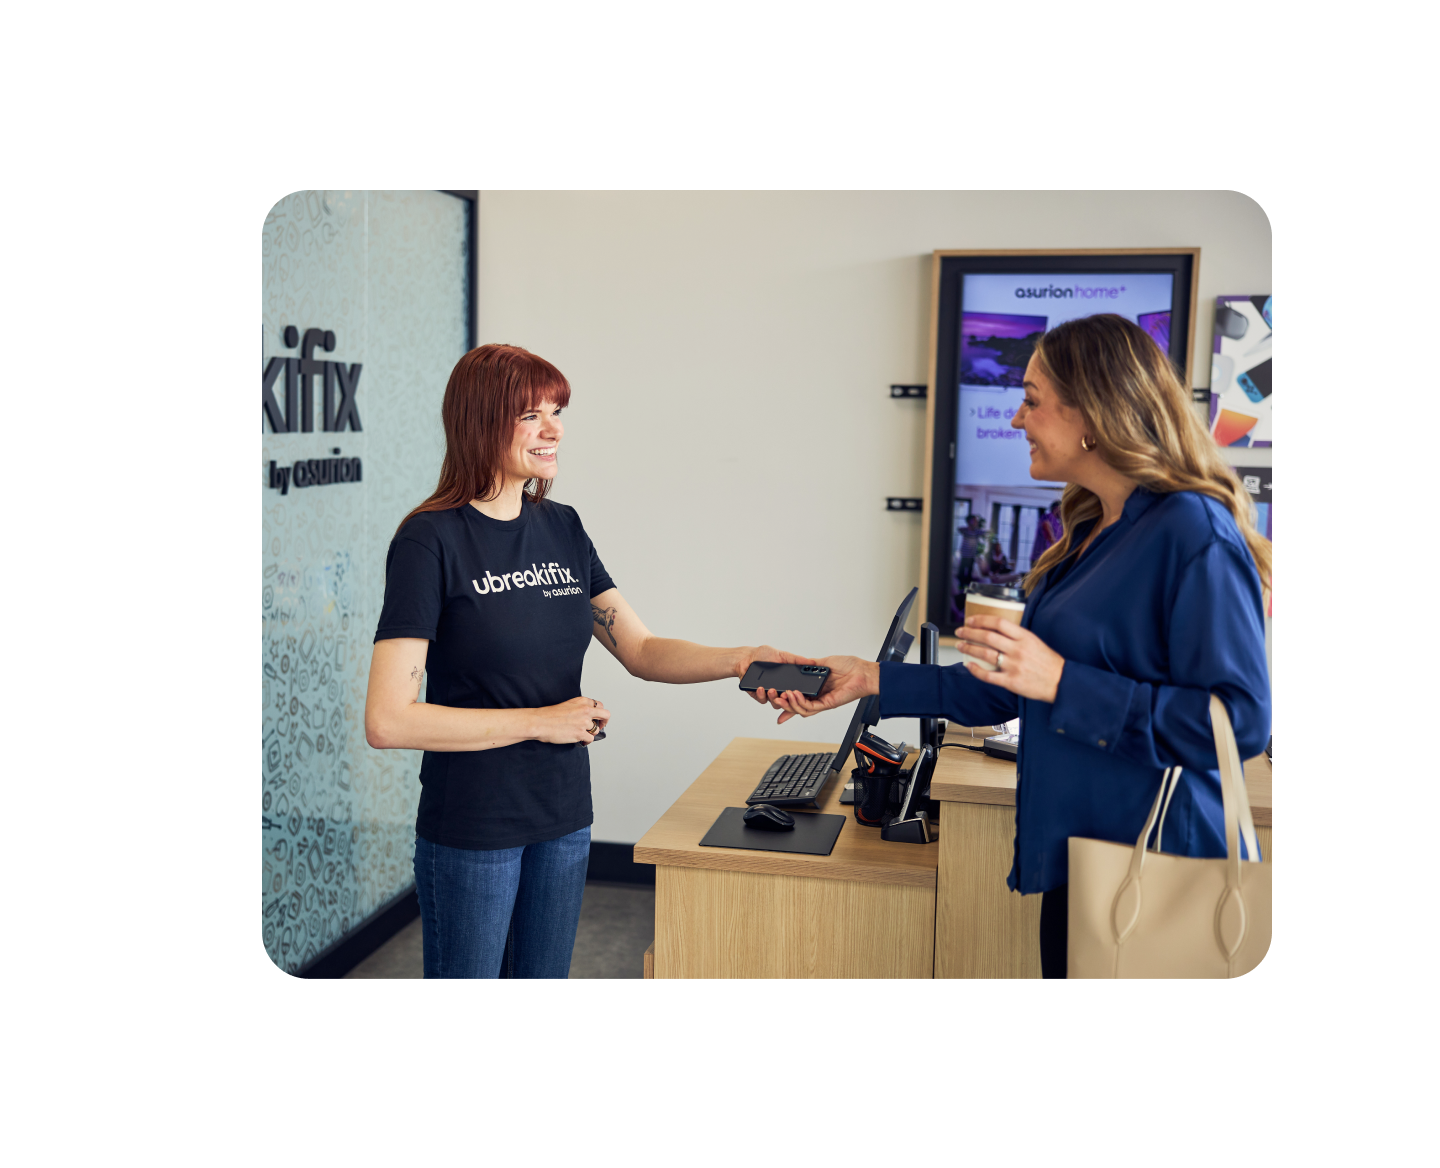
(511, 380)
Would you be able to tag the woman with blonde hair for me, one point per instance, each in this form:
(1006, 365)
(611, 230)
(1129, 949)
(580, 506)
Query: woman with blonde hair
(1152, 600)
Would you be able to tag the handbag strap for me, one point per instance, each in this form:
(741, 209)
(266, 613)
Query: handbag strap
(1125, 908)
(1172, 776)
(1137, 857)
(1238, 819)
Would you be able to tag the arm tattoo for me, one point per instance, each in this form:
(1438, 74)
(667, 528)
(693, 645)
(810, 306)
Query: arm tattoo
(605, 618)
(416, 674)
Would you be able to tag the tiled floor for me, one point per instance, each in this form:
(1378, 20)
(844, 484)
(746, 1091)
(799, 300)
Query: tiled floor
(617, 924)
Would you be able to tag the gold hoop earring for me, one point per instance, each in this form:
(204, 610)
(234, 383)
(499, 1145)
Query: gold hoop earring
(1088, 444)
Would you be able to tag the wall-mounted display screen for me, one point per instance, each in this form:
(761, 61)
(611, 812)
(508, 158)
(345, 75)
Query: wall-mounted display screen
(988, 519)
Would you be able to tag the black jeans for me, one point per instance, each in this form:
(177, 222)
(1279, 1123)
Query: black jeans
(1054, 930)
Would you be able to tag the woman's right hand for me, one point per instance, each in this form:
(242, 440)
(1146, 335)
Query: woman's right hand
(572, 721)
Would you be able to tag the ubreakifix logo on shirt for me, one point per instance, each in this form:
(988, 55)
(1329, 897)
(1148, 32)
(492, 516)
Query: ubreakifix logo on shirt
(547, 579)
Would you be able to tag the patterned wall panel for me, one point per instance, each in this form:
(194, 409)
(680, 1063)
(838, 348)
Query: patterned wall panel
(385, 272)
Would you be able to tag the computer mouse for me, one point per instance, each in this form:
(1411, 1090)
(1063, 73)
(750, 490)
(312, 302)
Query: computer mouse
(769, 818)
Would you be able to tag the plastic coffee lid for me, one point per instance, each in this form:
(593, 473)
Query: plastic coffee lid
(995, 591)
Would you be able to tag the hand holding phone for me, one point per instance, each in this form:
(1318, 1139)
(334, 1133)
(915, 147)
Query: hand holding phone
(809, 680)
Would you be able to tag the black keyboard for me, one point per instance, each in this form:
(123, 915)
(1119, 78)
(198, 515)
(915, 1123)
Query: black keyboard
(794, 780)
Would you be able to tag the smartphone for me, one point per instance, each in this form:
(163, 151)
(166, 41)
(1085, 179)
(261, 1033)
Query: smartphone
(807, 679)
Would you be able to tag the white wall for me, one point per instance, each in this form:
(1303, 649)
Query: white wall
(731, 439)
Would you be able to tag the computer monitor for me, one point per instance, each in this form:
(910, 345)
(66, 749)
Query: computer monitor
(896, 644)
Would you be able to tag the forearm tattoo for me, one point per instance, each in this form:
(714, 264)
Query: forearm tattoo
(605, 618)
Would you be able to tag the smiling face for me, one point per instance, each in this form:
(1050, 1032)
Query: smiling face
(534, 447)
(1053, 428)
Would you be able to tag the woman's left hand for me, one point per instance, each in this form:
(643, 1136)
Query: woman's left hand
(850, 678)
(1028, 666)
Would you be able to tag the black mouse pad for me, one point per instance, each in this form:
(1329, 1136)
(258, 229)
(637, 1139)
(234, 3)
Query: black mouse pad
(813, 835)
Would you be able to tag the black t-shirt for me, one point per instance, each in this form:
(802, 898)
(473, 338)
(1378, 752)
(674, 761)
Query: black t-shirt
(506, 605)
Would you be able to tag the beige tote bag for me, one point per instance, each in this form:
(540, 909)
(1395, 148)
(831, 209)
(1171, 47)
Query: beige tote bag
(1140, 913)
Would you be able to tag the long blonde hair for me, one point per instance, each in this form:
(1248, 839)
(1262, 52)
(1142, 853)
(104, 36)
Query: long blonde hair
(1140, 417)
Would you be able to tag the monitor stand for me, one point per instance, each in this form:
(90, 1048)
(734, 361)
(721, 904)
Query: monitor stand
(917, 821)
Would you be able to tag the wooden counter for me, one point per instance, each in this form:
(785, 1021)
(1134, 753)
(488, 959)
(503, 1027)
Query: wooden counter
(865, 910)
(965, 776)
(870, 908)
(859, 853)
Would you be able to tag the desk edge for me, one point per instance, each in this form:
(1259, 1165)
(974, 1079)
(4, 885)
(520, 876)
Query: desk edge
(786, 864)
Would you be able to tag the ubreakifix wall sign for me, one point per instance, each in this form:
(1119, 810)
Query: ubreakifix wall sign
(338, 408)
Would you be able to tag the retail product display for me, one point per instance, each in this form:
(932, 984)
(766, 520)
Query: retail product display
(1240, 371)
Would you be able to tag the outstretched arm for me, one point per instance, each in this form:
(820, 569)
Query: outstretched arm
(906, 691)
(653, 658)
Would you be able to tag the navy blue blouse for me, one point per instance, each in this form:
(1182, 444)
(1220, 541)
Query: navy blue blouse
(1163, 609)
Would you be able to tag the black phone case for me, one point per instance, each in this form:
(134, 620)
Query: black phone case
(808, 679)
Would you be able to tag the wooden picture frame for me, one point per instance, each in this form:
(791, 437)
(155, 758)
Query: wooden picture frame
(948, 265)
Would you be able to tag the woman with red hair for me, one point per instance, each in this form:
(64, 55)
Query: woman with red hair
(494, 591)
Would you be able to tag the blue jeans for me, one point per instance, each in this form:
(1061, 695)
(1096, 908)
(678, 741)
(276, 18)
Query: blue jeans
(511, 912)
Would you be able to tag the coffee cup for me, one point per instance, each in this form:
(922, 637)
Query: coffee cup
(1002, 600)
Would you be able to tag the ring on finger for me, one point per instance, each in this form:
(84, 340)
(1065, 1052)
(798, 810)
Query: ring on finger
(593, 727)
(999, 660)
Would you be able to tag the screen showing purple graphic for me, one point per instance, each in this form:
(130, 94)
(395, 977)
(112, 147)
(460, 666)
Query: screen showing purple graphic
(1157, 324)
(996, 346)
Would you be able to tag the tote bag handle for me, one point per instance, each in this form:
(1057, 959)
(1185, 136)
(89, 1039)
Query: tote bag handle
(1230, 916)
(1232, 788)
